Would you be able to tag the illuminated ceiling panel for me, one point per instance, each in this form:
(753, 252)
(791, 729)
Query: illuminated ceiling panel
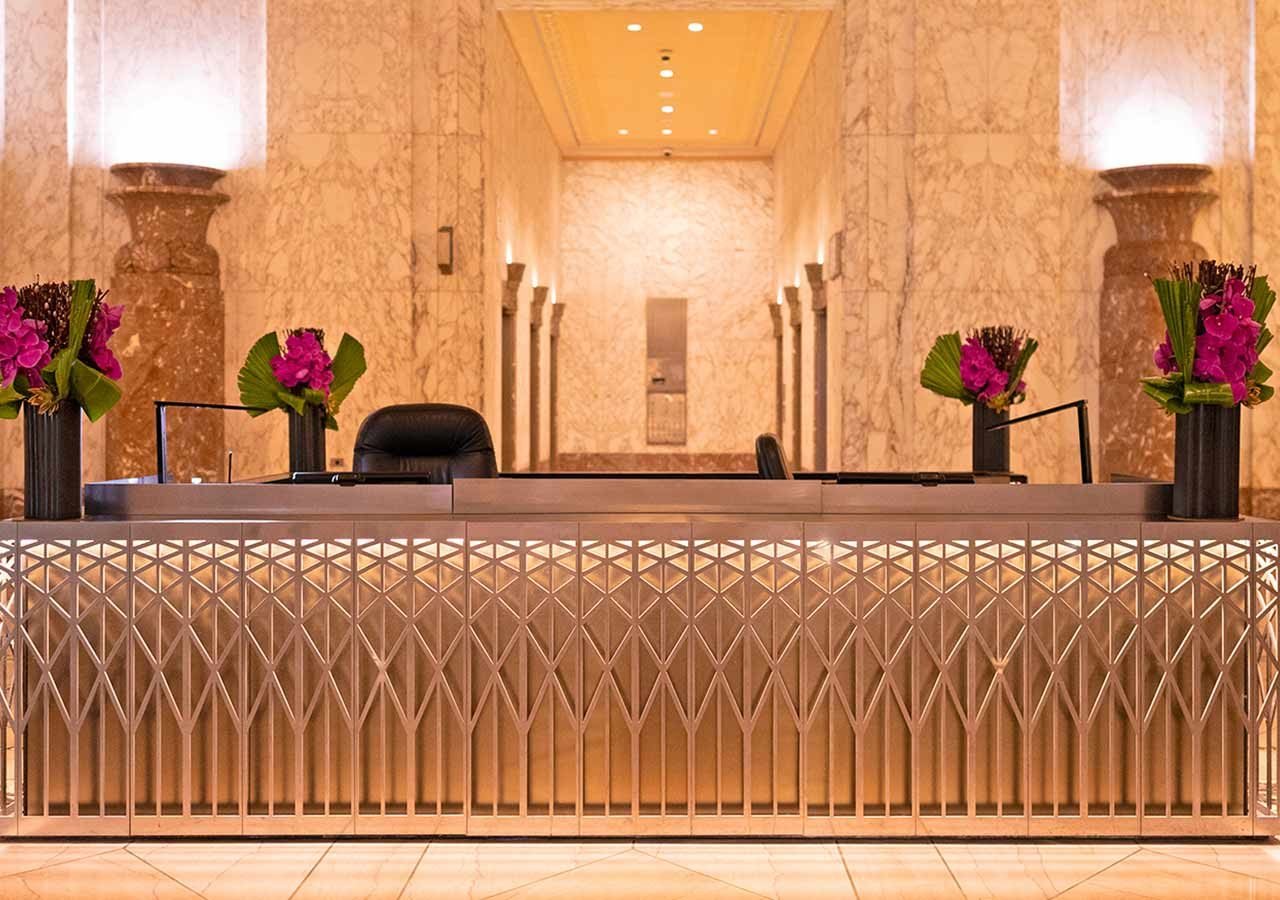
(600, 85)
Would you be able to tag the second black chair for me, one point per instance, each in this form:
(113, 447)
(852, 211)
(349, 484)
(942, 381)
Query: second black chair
(771, 459)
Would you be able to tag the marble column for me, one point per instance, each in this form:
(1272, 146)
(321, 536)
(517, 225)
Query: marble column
(792, 295)
(1154, 208)
(535, 374)
(510, 306)
(818, 292)
(779, 394)
(553, 401)
(172, 341)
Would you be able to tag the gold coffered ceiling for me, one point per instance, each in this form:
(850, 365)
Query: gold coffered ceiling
(739, 75)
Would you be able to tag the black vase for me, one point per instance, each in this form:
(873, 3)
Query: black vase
(52, 462)
(306, 440)
(1206, 463)
(990, 448)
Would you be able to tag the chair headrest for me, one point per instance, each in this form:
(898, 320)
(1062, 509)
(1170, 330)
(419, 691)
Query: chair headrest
(439, 439)
(771, 460)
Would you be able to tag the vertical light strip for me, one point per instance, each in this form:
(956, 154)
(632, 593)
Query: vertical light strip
(71, 81)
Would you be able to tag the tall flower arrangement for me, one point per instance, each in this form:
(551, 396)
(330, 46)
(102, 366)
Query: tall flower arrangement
(1215, 315)
(302, 374)
(986, 368)
(55, 348)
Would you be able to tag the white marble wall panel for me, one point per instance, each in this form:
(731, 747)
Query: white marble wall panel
(633, 230)
(1263, 422)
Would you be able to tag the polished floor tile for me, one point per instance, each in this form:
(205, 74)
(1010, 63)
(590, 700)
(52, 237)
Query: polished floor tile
(474, 869)
(892, 871)
(775, 870)
(114, 875)
(1162, 877)
(984, 869)
(362, 872)
(217, 870)
(1258, 860)
(24, 857)
(630, 875)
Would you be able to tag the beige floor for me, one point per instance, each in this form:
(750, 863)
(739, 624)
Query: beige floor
(619, 870)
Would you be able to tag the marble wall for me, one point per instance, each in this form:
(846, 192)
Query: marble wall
(809, 203)
(526, 193)
(1263, 422)
(702, 230)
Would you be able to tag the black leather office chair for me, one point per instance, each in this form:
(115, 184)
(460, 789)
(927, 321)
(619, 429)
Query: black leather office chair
(439, 440)
(771, 459)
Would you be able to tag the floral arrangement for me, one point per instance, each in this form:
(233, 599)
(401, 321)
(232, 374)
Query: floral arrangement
(55, 348)
(1216, 316)
(302, 374)
(986, 368)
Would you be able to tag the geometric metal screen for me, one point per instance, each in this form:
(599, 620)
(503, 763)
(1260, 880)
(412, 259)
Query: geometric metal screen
(835, 677)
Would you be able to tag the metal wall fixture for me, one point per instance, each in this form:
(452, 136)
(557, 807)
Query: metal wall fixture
(510, 307)
(444, 249)
(603, 677)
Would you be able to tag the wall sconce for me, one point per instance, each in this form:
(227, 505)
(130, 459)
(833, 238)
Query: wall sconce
(510, 305)
(444, 249)
(791, 293)
(818, 291)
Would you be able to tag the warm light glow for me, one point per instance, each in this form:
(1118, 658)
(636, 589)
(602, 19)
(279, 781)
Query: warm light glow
(822, 253)
(666, 131)
(1150, 128)
(553, 296)
(713, 131)
(534, 278)
(668, 109)
(511, 257)
(779, 296)
(624, 131)
(635, 26)
(180, 118)
(797, 278)
(695, 27)
(667, 73)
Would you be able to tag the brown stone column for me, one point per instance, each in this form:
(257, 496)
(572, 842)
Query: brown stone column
(792, 295)
(535, 374)
(779, 396)
(553, 401)
(1154, 208)
(818, 291)
(172, 341)
(510, 306)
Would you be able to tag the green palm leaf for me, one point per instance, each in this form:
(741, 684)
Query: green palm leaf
(941, 372)
(259, 388)
(95, 392)
(1179, 303)
(348, 365)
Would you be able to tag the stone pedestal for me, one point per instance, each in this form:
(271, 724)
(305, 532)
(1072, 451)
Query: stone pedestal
(535, 375)
(553, 400)
(818, 292)
(510, 307)
(779, 392)
(172, 342)
(1154, 208)
(792, 296)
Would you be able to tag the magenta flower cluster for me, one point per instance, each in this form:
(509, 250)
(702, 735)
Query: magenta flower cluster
(23, 349)
(1226, 341)
(304, 363)
(105, 322)
(980, 374)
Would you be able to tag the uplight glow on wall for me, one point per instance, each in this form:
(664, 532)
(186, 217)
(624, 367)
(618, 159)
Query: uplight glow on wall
(172, 120)
(1151, 127)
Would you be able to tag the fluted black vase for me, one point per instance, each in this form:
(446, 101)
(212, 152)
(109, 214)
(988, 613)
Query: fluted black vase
(51, 462)
(1206, 463)
(306, 440)
(990, 448)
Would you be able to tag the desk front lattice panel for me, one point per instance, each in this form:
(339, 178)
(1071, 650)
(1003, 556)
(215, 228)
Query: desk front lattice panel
(607, 677)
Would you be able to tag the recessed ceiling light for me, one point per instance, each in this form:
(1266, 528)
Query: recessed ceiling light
(666, 131)
(623, 131)
(668, 109)
(667, 73)
(713, 131)
(695, 26)
(635, 26)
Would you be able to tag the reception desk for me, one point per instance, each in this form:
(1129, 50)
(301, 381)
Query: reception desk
(617, 657)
